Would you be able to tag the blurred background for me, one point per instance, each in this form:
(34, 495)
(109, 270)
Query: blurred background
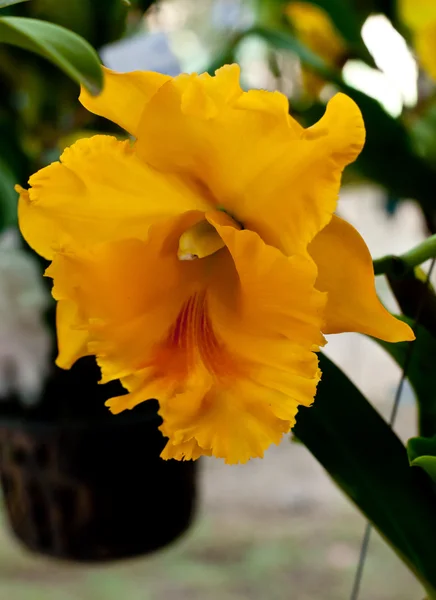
(275, 528)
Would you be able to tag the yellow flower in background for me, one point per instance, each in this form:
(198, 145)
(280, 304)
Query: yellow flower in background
(420, 17)
(202, 264)
(315, 29)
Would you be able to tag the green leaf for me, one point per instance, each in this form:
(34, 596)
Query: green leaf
(370, 464)
(66, 49)
(422, 453)
(5, 3)
(420, 373)
(8, 197)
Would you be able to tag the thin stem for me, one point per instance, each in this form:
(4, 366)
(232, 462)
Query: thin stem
(362, 559)
(399, 266)
(421, 253)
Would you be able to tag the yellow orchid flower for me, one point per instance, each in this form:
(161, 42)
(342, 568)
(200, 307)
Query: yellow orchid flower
(420, 17)
(202, 264)
(315, 29)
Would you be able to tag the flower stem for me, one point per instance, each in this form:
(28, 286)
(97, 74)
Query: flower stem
(399, 266)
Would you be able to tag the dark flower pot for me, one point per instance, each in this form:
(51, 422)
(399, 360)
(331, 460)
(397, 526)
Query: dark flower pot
(92, 488)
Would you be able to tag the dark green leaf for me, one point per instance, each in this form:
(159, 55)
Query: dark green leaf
(5, 3)
(368, 461)
(66, 49)
(420, 373)
(422, 453)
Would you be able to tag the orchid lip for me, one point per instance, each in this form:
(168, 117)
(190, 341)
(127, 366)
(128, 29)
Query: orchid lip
(199, 241)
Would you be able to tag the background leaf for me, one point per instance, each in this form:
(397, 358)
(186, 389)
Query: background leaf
(66, 49)
(370, 464)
